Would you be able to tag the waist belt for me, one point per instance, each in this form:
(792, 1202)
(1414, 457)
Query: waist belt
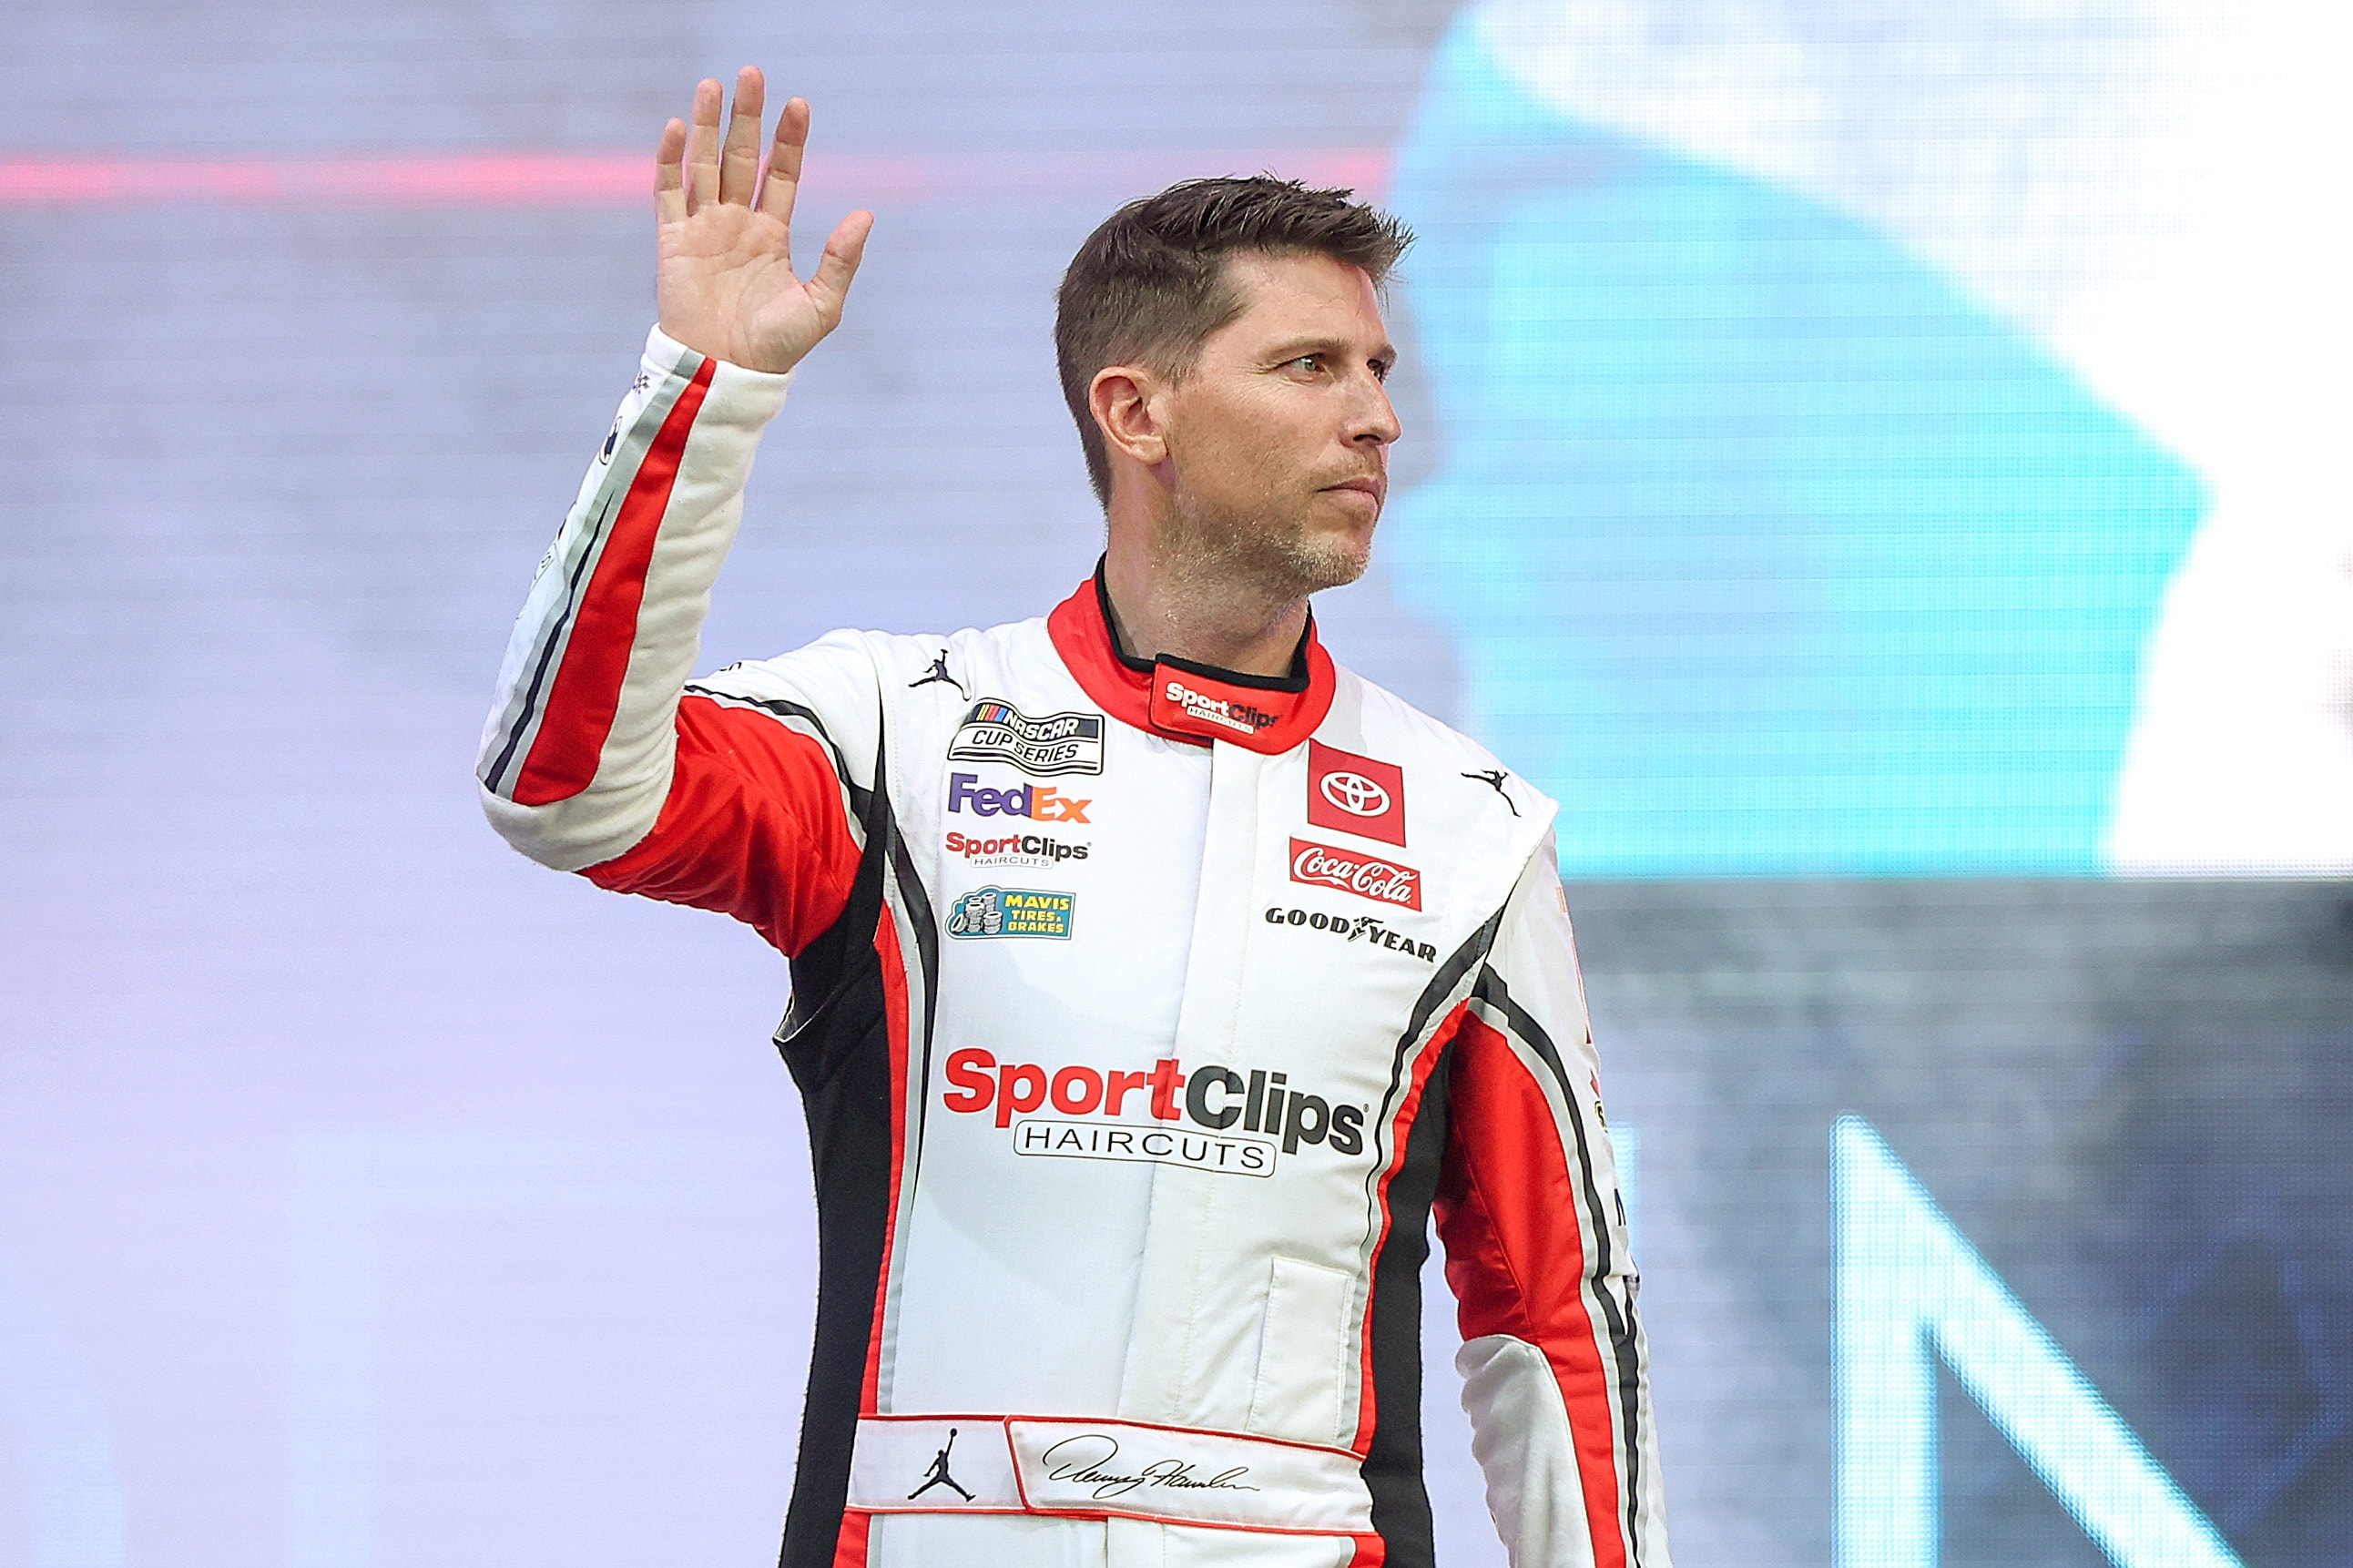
(1084, 1468)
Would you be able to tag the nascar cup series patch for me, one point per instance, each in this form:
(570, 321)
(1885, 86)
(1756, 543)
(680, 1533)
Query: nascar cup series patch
(998, 731)
(1012, 911)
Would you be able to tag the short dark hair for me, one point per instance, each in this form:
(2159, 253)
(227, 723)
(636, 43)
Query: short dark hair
(1150, 285)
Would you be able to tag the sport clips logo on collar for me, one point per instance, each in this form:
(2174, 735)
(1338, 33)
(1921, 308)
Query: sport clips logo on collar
(1179, 704)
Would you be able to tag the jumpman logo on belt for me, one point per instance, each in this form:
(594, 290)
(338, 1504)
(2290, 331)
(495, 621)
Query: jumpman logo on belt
(938, 1474)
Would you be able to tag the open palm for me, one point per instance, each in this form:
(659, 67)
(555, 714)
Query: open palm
(723, 278)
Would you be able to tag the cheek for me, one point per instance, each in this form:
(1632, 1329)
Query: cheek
(1272, 441)
(1252, 447)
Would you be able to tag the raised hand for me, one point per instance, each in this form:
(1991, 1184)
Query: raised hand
(724, 276)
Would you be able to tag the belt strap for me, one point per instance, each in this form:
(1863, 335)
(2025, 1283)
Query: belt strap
(1075, 1467)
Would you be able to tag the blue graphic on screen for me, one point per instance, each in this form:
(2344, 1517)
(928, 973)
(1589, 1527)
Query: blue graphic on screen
(1909, 1284)
(1764, 546)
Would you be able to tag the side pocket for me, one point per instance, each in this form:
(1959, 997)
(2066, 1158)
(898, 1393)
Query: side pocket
(1303, 1345)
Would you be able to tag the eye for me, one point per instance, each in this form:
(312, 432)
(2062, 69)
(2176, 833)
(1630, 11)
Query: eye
(1311, 363)
(1380, 370)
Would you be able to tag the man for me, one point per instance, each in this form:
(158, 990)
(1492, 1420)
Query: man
(1152, 978)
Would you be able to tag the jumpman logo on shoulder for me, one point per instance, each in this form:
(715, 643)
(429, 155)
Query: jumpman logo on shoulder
(1493, 778)
(939, 672)
(938, 1474)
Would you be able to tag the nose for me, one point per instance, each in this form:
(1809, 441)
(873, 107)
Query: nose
(1374, 422)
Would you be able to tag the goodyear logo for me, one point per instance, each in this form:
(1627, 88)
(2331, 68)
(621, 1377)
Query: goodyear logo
(1012, 911)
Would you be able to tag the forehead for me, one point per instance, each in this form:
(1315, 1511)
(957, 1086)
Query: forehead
(1313, 294)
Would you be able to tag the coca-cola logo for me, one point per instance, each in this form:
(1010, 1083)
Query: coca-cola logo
(1353, 872)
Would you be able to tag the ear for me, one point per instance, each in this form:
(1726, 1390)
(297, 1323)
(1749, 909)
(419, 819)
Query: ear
(1128, 409)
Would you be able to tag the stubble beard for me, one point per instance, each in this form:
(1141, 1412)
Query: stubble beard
(1225, 560)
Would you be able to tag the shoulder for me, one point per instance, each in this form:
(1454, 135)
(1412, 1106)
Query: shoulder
(879, 662)
(1459, 820)
(847, 679)
(1385, 720)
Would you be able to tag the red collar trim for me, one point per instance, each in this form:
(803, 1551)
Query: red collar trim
(1187, 701)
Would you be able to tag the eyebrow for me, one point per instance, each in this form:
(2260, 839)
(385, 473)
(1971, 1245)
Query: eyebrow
(1284, 353)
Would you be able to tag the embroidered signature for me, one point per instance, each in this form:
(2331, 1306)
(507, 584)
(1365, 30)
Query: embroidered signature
(1086, 1465)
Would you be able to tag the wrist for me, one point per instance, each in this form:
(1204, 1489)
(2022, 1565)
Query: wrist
(678, 346)
(737, 392)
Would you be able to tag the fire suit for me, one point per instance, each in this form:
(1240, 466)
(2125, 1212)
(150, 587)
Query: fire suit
(1143, 1013)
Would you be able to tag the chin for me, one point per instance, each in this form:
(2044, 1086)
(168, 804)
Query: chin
(1334, 563)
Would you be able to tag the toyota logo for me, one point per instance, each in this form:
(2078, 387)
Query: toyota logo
(1356, 795)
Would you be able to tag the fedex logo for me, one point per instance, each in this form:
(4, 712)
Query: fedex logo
(1039, 802)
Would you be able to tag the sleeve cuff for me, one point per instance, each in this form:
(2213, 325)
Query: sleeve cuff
(738, 394)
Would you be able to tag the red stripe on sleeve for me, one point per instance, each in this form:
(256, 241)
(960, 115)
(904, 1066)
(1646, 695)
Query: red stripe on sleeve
(1507, 1211)
(752, 826)
(586, 690)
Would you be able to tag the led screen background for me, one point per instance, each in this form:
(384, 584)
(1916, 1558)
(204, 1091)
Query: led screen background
(1883, 460)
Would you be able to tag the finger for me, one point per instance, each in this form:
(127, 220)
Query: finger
(702, 148)
(785, 160)
(839, 264)
(739, 165)
(669, 179)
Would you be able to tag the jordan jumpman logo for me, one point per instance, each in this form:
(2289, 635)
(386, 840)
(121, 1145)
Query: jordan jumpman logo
(938, 1474)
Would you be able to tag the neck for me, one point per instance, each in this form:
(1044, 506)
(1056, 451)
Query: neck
(1187, 610)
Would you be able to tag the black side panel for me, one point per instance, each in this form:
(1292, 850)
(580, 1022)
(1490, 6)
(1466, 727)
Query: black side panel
(1393, 1467)
(839, 1048)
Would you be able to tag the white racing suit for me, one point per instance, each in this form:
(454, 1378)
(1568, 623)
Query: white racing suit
(1142, 1013)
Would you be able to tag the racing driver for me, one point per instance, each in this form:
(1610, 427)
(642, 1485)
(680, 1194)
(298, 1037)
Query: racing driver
(1153, 978)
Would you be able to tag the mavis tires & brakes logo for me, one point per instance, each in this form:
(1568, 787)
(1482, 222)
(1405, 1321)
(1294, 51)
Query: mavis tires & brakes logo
(1012, 911)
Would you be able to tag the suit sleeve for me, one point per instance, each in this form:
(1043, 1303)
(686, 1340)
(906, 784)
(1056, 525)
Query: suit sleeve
(1554, 1361)
(596, 759)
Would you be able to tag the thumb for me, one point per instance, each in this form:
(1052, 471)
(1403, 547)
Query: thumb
(839, 264)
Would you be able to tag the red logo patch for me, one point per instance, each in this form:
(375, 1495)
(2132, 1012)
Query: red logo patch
(1186, 704)
(1353, 872)
(1350, 793)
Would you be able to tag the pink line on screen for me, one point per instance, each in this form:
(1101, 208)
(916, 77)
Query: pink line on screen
(610, 179)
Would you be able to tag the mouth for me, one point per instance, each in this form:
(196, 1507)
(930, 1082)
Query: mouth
(1372, 487)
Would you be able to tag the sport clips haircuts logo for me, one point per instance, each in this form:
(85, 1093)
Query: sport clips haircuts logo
(1013, 850)
(1177, 695)
(1211, 1119)
(998, 731)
